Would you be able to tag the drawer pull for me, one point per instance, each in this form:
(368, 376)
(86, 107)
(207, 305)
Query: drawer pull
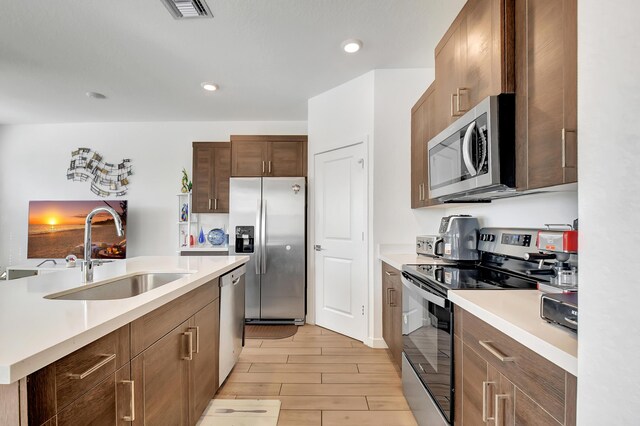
(106, 359)
(189, 335)
(197, 330)
(390, 274)
(485, 392)
(496, 413)
(487, 344)
(132, 402)
(392, 302)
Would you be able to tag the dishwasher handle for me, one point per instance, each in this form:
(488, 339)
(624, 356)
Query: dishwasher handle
(233, 277)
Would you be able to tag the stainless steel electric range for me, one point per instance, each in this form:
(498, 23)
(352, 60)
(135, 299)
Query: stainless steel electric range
(428, 319)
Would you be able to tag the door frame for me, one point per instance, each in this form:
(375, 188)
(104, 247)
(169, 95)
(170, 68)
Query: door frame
(368, 199)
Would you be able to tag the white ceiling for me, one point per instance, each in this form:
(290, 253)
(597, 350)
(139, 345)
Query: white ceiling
(268, 56)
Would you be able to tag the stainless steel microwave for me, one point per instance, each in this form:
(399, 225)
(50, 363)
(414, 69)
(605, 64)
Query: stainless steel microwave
(474, 158)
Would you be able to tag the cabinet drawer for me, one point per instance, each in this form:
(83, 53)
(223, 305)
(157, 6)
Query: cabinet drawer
(390, 273)
(150, 328)
(83, 369)
(542, 380)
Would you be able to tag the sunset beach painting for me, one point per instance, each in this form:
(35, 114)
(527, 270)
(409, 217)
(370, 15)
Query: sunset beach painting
(56, 229)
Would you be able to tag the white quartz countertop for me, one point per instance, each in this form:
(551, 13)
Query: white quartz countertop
(516, 313)
(398, 259)
(35, 331)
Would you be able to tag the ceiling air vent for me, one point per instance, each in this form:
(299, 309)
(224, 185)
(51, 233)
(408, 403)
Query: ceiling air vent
(182, 9)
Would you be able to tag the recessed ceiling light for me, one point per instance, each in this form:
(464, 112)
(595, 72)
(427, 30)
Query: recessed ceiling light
(351, 45)
(211, 87)
(95, 95)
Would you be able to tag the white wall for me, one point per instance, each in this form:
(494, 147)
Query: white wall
(609, 206)
(34, 159)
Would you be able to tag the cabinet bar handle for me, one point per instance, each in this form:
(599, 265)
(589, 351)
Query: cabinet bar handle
(106, 359)
(496, 408)
(459, 110)
(391, 302)
(132, 402)
(564, 147)
(263, 167)
(197, 330)
(487, 344)
(453, 109)
(215, 204)
(189, 335)
(387, 296)
(209, 203)
(390, 274)
(269, 166)
(485, 391)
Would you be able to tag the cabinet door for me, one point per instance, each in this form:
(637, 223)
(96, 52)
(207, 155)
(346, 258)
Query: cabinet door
(221, 175)
(418, 145)
(395, 300)
(386, 312)
(450, 60)
(546, 101)
(108, 403)
(501, 398)
(475, 388)
(161, 375)
(286, 158)
(248, 158)
(204, 367)
(203, 165)
(528, 412)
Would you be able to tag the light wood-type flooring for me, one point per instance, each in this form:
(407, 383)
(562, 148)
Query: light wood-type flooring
(321, 378)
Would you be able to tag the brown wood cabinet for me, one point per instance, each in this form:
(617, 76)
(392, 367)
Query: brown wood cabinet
(211, 172)
(474, 59)
(422, 118)
(273, 156)
(160, 369)
(392, 312)
(546, 93)
(501, 382)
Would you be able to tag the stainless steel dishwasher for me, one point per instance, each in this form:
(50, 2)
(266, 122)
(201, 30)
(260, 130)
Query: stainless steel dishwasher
(231, 319)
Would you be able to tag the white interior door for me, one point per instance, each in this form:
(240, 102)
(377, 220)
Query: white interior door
(340, 247)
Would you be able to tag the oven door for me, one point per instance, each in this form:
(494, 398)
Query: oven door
(427, 333)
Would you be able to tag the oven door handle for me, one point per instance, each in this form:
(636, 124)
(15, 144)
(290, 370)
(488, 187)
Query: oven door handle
(431, 297)
(466, 149)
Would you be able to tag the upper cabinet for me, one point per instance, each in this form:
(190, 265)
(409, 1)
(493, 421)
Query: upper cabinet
(211, 172)
(474, 59)
(546, 93)
(422, 117)
(273, 156)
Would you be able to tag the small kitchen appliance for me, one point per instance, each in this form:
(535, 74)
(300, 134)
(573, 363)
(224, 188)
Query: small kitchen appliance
(474, 158)
(561, 309)
(428, 314)
(559, 246)
(457, 239)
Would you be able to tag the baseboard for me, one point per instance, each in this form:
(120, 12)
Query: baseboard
(375, 342)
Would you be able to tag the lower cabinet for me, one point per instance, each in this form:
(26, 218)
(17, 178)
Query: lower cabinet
(392, 312)
(501, 382)
(161, 369)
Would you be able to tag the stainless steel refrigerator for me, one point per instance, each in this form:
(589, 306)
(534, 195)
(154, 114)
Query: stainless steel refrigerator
(267, 221)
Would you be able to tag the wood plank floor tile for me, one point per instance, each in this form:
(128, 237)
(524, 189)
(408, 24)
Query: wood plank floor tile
(300, 418)
(331, 389)
(240, 389)
(361, 378)
(275, 377)
(252, 343)
(368, 418)
(304, 368)
(272, 359)
(309, 329)
(353, 351)
(323, 403)
(282, 351)
(281, 343)
(338, 359)
(385, 367)
(241, 367)
(387, 403)
(320, 338)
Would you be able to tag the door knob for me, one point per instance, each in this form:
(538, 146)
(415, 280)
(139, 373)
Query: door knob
(318, 247)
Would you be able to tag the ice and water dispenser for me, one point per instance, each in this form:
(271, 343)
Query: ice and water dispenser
(244, 239)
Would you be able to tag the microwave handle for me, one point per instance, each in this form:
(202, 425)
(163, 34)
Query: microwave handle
(466, 149)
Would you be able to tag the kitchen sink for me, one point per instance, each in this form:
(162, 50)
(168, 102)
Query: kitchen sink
(118, 289)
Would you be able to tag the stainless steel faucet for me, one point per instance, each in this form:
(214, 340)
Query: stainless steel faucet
(87, 265)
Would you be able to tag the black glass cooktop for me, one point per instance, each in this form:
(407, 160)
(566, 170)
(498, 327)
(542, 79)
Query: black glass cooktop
(468, 277)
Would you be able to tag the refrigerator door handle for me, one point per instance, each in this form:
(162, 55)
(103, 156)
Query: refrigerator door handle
(263, 237)
(257, 238)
